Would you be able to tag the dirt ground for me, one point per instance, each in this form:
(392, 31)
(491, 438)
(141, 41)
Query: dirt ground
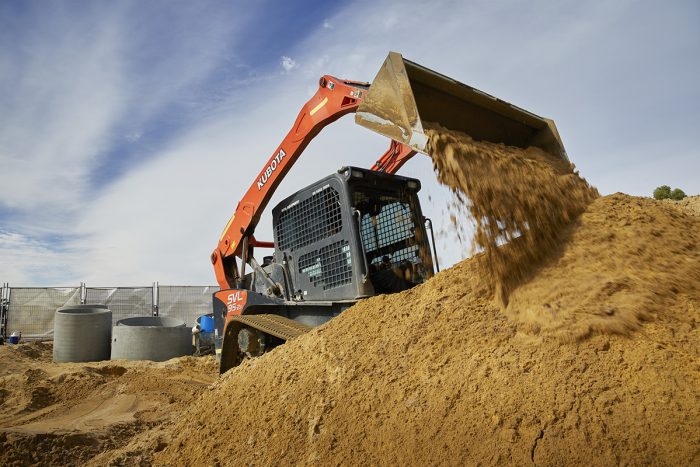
(68, 413)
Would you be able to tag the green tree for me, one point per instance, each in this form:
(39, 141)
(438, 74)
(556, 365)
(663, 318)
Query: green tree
(662, 192)
(677, 194)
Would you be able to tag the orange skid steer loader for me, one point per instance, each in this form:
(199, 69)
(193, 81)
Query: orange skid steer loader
(357, 232)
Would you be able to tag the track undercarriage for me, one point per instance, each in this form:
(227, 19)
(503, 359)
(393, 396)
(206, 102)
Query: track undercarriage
(250, 336)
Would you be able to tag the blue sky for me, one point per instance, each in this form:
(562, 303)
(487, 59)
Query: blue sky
(131, 129)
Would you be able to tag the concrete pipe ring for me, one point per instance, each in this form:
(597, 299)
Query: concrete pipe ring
(156, 338)
(82, 333)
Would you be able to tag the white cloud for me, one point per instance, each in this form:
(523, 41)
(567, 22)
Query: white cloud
(26, 261)
(288, 63)
(69, 88)
(71, 92)
(57, 110)
(327, 24)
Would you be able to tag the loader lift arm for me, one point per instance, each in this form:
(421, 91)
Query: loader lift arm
(334, 98)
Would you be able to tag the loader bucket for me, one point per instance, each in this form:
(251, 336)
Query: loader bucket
(405, 95)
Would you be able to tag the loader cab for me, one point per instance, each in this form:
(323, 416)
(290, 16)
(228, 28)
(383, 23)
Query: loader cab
(353, 234)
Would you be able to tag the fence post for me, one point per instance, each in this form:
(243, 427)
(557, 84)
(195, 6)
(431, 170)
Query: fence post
(154, 306)
(4, 307)
(83, 293)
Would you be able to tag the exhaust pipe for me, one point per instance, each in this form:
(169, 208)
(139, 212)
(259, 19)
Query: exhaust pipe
(405, 95)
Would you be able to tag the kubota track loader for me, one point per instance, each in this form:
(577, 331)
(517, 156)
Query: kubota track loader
(357, 232)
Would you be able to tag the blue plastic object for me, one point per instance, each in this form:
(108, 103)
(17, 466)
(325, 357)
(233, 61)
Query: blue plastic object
(15, 337)
(206, 323)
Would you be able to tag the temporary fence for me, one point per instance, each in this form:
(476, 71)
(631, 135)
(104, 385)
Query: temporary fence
(30, 310)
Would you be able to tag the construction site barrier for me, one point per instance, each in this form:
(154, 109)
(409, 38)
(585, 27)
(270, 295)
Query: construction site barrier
(30, 310)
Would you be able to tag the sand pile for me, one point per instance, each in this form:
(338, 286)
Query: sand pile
(64, 414)
(440, 375)
(523, 202)
(692, 204)
(615, 269)
(523, 197)
(689, 204)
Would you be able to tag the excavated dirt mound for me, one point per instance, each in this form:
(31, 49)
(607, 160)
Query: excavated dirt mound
(690, 204)
(64, 414)
(440, 374)
(615, 269)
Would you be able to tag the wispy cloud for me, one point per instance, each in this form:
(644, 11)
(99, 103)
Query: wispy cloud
(84, 93)
(28, 261)
(288, 63)
(61, 95)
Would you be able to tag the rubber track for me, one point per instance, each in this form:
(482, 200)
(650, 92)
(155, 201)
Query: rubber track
(275, 325)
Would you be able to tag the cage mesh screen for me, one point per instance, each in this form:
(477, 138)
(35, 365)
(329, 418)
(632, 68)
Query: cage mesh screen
(390, 231)
(329, 267)
(123, 302)
(310, 220)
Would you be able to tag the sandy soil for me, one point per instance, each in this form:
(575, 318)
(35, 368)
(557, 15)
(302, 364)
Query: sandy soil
(689, 204)
(68, 413)
(441, 375)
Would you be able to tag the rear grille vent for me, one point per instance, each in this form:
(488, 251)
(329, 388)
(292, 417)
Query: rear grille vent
(310, 220)
(329, 267)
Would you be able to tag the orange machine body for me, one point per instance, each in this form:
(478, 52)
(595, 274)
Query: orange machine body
(334, 98)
